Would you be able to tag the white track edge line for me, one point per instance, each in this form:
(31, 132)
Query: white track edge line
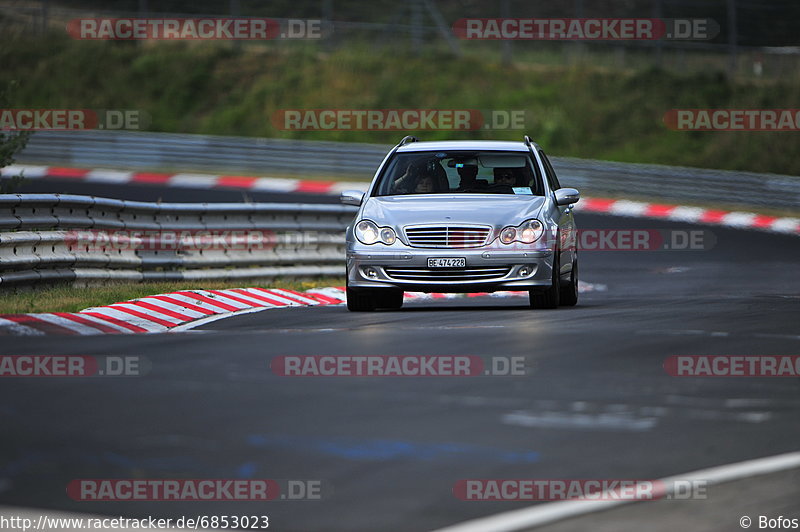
(542, 514)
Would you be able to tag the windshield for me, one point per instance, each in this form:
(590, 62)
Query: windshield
(461, 172)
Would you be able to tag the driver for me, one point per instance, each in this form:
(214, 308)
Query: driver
(505, 176)
(468, 174)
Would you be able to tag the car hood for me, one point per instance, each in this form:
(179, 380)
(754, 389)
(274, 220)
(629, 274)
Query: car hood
(497, 210)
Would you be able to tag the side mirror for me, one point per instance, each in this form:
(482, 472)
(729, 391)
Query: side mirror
(352, 197)
(567, 196)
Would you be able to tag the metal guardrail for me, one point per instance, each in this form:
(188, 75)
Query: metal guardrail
(139, 150)
(52, 237)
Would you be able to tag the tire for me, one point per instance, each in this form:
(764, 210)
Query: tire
(360, 300)
(369, 300)
(550, 297)
(391, 300)
(569, 291)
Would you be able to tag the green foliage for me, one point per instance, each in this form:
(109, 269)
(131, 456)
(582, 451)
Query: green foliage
(10, 144)
(580, 110)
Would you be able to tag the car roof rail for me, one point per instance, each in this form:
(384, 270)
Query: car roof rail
(528, 141)
(407, 139)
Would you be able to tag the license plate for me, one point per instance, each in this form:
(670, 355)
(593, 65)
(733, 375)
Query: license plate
(449, 262)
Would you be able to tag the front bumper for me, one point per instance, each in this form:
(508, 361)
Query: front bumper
(486, 270)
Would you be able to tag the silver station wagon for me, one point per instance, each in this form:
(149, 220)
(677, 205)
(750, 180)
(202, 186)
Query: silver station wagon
(462, 216)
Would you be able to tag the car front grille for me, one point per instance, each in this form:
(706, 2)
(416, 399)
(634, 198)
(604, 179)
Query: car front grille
(448, 275)
(447, 236)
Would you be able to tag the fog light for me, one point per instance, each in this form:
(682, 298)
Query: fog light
(524, 271)
(371, 273)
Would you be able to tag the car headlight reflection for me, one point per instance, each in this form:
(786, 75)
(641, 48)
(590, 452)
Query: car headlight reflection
(368, 232)
(527, 232)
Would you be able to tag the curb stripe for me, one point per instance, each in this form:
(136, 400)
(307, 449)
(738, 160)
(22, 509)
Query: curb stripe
(77, 328)
(237, 298)
(124, 320)
(8, 326)
(138, 306)
(277, 297)
(325, 300)
(165, 311)
(260, 297)
(87, 322)
(208, 301)
(141, 315)
(58, 171)
(121, 326)
(35, 321)
(289, 295)
(181, 311)
(183, 304)
(246, 298)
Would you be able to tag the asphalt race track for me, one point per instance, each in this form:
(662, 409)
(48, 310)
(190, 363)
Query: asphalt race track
(597, 404)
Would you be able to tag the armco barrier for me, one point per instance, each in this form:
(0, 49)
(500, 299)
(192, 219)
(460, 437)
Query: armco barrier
(64, 237)
(145, 150)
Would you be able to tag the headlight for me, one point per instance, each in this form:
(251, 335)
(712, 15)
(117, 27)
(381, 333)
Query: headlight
(527, 232)
(367, 232)
(530, 231)
(508, 235)
(388, 236)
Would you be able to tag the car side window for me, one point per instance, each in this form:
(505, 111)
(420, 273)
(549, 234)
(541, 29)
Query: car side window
(551, 174)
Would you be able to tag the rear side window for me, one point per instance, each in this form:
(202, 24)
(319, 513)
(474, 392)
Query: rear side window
(552, 179)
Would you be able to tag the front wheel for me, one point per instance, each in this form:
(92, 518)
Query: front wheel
(569, 291)
(391, 299)
(369, 300)
(550, 297)
(360, 301)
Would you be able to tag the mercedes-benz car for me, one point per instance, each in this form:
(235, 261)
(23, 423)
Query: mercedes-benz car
(462, 216)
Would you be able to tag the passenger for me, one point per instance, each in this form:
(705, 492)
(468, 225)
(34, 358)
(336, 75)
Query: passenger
(468, 175)
(425, 185)
(407, 182)
(505, 176)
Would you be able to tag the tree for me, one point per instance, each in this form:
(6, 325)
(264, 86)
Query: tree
(11, 143)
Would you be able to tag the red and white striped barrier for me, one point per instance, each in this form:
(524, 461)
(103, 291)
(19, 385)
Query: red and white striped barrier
(735, 219)
(185, 180)
(678, 213)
